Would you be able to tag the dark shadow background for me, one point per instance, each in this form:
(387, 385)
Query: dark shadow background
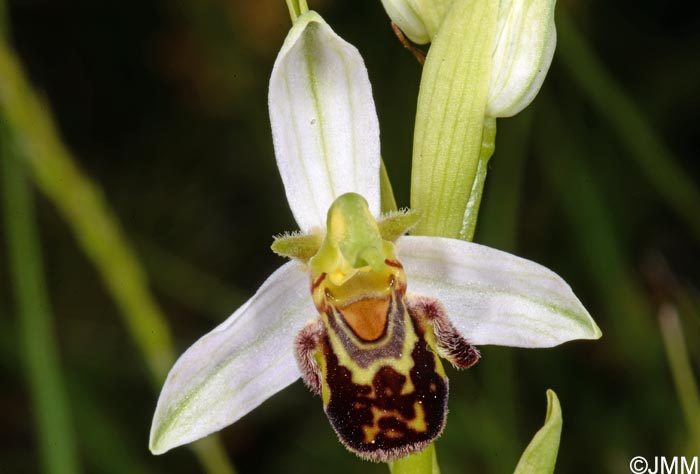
(165, 106)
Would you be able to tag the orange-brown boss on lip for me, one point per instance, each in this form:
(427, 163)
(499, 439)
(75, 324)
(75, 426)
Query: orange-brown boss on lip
(372, 354)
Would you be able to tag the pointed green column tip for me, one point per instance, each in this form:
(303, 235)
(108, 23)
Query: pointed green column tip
(352, 241)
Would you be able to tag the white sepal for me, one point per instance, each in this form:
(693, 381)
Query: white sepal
(493, 297)
(522, 56)
(234, 368)
(324, 124)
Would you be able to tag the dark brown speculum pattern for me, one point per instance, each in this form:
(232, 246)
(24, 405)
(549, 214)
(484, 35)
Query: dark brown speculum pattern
(394, 415)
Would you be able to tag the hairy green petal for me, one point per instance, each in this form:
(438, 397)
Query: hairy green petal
(299, 246)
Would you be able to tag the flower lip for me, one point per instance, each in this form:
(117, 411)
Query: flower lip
(491, 297)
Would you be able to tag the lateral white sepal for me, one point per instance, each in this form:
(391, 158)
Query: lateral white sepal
(237, 366)
(493, 297)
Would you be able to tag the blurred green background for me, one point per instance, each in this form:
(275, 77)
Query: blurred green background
(164, 106)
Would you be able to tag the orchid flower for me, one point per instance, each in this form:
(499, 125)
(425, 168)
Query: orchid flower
(362, 312)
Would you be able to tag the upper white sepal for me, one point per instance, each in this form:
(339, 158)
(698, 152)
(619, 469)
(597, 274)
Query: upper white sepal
(493, 297)
(237, 366)
(324, 124)
(524, 49)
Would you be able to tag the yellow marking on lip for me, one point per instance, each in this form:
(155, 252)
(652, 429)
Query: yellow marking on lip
(371, 432)
(432, 347)
(408, 387)
(418, 422)
(325, 388)
(365, 375)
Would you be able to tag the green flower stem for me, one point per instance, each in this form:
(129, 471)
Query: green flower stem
(471, 214)
(424, 462)
(94, 226)
(650, 154)
(297, 8)
(45, 379)
(681, 369)
(447, 146)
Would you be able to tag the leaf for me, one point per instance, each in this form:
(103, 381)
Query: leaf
(540, 456)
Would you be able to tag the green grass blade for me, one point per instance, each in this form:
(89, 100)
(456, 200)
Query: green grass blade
(625, 119)
(575, 187)
(95, 227)
(682, 371)
(40, 354)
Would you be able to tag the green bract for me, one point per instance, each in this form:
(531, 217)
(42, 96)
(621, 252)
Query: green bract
(326, 139)
(450, 115)
(488, 60)
(540, 456)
